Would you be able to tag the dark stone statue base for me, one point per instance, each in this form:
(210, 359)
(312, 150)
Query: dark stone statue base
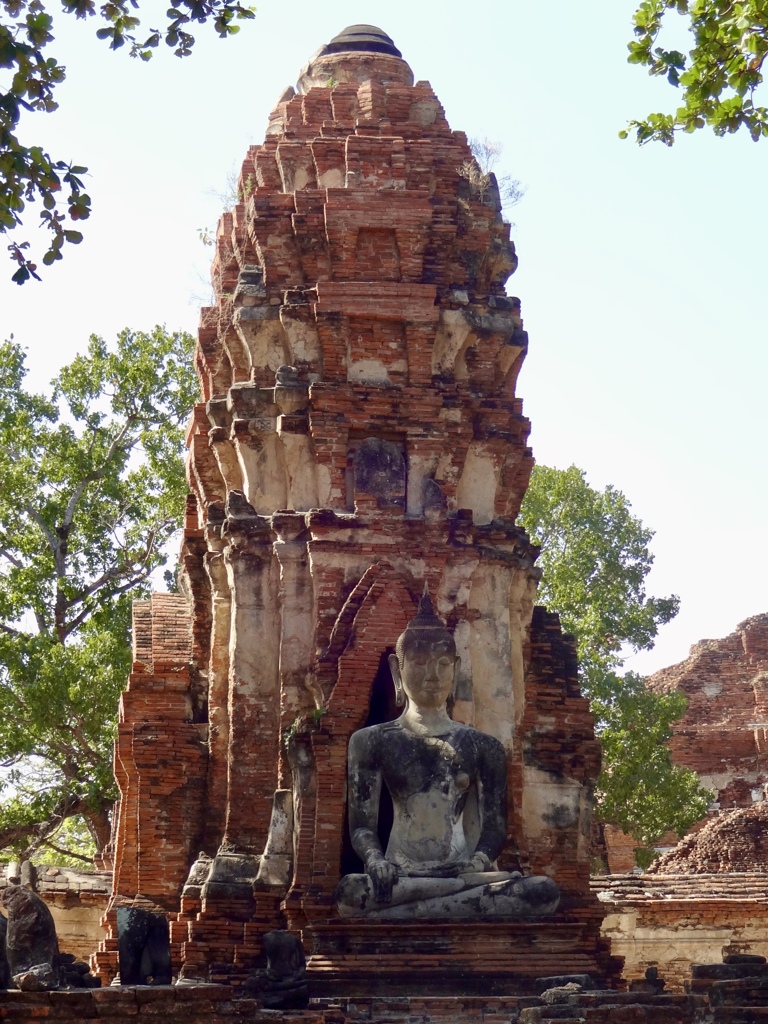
(358, 957)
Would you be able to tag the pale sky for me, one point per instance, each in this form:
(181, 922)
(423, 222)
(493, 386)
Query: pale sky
(642, 271)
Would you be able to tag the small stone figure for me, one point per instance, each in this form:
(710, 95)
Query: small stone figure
(650, 983)
(31, 944)
(379, 470)
(144, 947)
(283, 985)
(286, 376)
(438, 862)
(198, 875)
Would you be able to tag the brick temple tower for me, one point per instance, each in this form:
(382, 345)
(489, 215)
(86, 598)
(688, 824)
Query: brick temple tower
(358, 435)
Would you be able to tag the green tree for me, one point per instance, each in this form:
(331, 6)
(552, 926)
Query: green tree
(720, 75)
(93, 488)
(640, 789)
(595, 559)
(27, 172)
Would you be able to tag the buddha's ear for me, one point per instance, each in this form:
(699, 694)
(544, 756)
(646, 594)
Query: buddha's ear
(394, 668)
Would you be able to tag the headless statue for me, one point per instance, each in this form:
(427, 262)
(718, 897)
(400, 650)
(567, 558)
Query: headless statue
(448, 784)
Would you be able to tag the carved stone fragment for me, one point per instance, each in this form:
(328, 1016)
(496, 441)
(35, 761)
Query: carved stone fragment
(283, 984)
(31, 944)
(144, 947)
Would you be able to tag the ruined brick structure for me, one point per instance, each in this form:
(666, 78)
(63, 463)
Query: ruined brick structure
(358, 435)
(706, 896)
(724, 733)
(719, 994)
(673, 921)
(723, 736)
(731, 841)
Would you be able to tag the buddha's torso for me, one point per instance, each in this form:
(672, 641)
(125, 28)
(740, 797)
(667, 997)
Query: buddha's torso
(429, 778)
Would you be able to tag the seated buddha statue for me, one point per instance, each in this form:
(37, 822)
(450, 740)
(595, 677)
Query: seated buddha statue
(448, 784)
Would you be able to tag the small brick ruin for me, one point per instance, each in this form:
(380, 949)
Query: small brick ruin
(724, 733)
(706, 896)
(723, 736)
(359, 435)
(672, 922)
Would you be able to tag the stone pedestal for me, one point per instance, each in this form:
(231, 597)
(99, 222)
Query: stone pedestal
(452, 958)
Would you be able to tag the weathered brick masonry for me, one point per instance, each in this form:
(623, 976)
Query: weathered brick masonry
(722, 737)
(714, 994)
(707, 896)
(359, 435)
(724, 733)
(672, 922)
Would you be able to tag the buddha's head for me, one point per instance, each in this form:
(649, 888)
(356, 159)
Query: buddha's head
(425, 663)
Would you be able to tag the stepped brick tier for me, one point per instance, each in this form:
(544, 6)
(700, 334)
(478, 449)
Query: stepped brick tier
(715, 994)
(674, 921)
(359, 436)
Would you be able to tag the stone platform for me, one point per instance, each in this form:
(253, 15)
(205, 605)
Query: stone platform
(449, 958)
(735, 1001)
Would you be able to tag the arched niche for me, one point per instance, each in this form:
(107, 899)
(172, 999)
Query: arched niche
(385, 606)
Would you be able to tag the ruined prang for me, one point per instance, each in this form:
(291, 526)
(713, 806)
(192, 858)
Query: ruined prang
(358, 435)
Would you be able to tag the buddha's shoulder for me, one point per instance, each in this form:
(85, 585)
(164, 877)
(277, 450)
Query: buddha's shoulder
(482, 741)
(382, 727)
(372, 735)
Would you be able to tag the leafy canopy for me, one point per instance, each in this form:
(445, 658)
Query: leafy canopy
(595, 559)
(640, 789)
(93, 489)
(27, 172)
(720, 75)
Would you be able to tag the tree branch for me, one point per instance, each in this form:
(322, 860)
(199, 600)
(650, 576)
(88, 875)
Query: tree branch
(77, 732)
(67, 853)
(80, 618)
(16, 562)
(69, 513)
(115, 573)
(50, 536)
(66, 808)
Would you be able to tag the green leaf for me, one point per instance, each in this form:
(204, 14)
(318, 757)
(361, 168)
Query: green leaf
(723, 66)
(27, 171)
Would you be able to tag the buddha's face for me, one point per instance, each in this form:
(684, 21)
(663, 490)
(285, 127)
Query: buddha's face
(428, 668)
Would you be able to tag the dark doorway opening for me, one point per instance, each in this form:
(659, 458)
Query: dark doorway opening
(382, 708)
